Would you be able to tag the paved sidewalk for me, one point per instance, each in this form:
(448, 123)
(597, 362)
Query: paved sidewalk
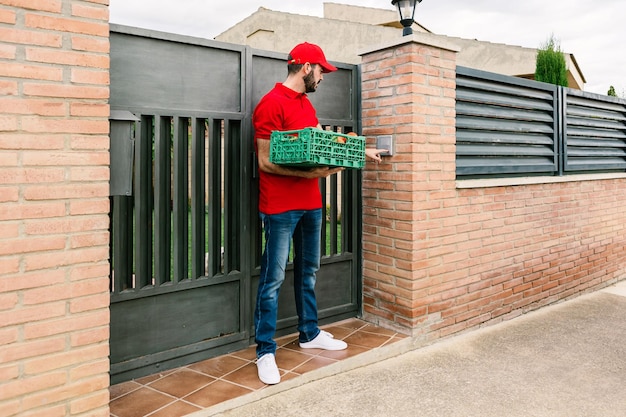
(567, 360)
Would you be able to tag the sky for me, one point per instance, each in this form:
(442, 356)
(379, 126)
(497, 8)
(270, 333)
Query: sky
(591, 31)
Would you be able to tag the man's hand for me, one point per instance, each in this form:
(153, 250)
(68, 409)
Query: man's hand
(374, 154)
(323, 172)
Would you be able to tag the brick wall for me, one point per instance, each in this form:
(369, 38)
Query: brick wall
(54, 60)
(441, 257)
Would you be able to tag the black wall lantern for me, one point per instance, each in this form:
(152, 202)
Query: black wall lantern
(406, 8)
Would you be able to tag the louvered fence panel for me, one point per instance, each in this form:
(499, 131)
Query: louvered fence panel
(504, 126)
(595, 135)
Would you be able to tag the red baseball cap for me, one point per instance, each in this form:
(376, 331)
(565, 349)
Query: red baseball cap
(311, 53)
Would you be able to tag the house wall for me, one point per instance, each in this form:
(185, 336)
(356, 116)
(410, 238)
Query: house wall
(345, 31)
(359, 14)
(442, 256)
(54, 220)
(510, 60)
(280, 32)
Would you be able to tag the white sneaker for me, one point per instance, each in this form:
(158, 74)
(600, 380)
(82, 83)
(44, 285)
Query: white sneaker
(267, 369)
(325, 341)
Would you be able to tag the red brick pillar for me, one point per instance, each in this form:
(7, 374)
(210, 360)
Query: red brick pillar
(408, 91)
(54, 242)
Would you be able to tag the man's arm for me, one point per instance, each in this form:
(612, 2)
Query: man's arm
(263, 156)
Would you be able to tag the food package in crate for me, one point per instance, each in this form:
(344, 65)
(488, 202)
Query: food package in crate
(311, 147)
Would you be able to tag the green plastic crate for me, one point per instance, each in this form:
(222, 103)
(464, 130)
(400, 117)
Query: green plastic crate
(312, 147)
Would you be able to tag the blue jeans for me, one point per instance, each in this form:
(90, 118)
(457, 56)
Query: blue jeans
(305, 228)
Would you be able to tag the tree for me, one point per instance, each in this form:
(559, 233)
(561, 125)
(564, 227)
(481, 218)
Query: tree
(611, 92)
(551, 67)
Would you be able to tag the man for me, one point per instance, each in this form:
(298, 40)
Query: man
(290, 207)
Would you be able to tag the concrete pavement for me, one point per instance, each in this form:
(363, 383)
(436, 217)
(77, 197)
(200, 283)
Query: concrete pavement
(566, 360)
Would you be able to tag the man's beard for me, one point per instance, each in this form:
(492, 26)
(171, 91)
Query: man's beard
(309, 82)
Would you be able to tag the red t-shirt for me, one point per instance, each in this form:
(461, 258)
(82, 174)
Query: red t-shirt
(284, 109)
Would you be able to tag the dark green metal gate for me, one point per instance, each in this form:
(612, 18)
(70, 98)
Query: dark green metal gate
(185, 235)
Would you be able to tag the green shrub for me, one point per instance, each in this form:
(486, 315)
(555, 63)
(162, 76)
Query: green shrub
(551, 67)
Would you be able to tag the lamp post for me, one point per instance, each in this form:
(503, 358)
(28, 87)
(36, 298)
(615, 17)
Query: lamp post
(406, 8)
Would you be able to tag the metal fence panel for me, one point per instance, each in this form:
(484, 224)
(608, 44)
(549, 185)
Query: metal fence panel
(173, 72)
(504, 125)
(595, 134)
(508, 126)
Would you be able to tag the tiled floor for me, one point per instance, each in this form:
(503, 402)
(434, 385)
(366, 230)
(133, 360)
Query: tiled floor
(185, 390)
